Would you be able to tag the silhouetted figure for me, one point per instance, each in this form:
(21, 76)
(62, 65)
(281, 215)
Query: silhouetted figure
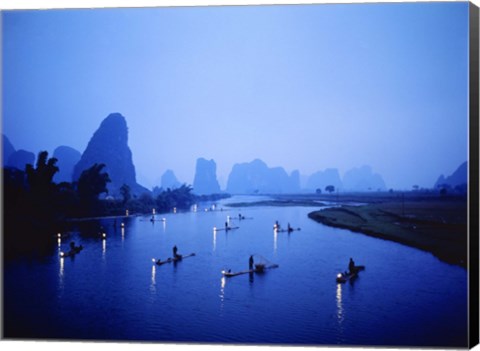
(277, 225)
(290, 229)
(226, 226)
(250, 262)
(72, 245)
(351, 266)
(175, 251)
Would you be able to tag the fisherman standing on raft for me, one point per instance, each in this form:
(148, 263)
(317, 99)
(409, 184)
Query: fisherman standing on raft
(351, 266)
(250, 262)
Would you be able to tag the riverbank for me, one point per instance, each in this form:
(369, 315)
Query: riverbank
(433, 224)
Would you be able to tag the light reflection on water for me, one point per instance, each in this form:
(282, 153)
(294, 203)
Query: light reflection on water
(104, 249)
(275, 237)
(293, 303)
(153, 284)
(214, 239)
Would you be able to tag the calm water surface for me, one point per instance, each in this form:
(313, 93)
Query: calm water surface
(112, 291)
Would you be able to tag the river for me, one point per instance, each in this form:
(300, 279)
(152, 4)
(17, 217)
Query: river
(112, 290)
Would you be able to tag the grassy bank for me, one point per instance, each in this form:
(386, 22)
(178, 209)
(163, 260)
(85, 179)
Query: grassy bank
(434, 224)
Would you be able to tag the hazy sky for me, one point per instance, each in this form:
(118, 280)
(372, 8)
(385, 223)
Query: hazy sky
(303, 87)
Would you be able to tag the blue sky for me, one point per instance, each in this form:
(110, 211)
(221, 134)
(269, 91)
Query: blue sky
(303, 87)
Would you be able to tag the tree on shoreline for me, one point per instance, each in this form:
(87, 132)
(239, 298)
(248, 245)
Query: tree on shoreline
(91, 184)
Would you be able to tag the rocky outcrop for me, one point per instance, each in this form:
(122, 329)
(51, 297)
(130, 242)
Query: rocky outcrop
(67, 158)
(7, 150)
(109, 145)
(20, 158)
(457, 179)
(256, 178)
(363, 179)
(205, 180)
(169, 180)
(322, 179)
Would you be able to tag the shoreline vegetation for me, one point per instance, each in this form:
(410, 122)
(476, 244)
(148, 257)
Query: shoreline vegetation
(426, 221)
(38, 207)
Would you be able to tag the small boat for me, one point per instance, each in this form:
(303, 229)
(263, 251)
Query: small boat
(289, 230)
(226, 229)
(229, 273)
(346, 276)
(170, 259)
(72, 251)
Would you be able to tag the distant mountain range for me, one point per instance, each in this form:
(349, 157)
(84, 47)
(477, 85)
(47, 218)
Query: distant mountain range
(109, 145)
(257, 178)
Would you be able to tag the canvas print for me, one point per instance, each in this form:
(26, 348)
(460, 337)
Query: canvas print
(280, 175)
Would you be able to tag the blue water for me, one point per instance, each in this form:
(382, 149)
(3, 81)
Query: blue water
(113, 291)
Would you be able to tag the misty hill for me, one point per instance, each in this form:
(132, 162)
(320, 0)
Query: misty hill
(456, 179)
(20, 158)
(67, 158)
(169, 180)
(363, 179)
(109, 145)
(321, 179)
(205, 180)
(256, 177)
(8, 149)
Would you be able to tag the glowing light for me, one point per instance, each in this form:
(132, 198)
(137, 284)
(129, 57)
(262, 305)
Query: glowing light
(174, 210)
(214, 229)
(59, 241)
(104, 235)
(153, 211)
(153, 260)
(339, 275)
(62, 254)
(59, 235)
(126, 213)
(122, 225)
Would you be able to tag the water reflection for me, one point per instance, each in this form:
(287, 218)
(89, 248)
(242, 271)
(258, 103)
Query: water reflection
(62, 269)
(340, 315)
(61, 274)
(223, 283)
(214, 239)
(104, 248)
(123, 234)
(275, 237)
(153, 284)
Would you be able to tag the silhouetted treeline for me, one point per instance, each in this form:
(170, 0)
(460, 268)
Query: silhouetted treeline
(35, 208)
